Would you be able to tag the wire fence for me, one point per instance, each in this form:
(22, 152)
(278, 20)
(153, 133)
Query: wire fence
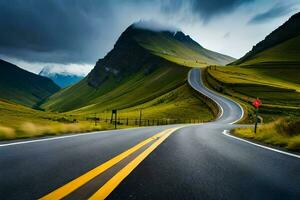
(143, 122)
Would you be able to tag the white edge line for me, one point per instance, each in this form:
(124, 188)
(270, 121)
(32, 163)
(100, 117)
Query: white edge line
(65, 136)
(69, 136)
(225, 132)
(51, 138)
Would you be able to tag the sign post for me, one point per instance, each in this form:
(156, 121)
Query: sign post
(95, 118)
(256, 104)
(140, 122)
(114, 115)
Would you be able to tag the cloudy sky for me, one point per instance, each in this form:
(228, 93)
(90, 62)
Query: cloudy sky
(73, 34)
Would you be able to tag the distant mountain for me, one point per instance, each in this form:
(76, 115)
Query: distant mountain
(23, 87)
(282, 45)
(144, 64)
(61, 79)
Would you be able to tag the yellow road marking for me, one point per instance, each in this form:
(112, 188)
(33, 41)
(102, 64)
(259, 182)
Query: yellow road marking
(110, 185)
(78, 182)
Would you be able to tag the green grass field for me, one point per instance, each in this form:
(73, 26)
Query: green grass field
(17, 121)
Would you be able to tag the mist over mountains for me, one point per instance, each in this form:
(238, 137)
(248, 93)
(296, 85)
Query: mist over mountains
(62, 78)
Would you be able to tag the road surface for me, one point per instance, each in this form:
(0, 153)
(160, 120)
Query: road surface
(192, 162)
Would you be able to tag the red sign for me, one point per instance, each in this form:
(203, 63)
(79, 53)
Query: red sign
(256, 103)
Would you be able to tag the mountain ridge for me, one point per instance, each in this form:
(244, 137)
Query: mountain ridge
(287, 31)
(23, 87)
(132, 40)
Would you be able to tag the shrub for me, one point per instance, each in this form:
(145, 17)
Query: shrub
(7, 132)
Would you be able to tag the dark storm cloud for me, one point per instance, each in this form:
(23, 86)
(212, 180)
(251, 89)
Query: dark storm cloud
(205, 9)
(51, 30)
(277, 10)
(211, 8)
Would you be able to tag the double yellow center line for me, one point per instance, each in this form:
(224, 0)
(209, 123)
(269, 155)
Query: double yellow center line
(111, 184)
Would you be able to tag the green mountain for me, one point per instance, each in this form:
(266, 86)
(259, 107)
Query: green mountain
(23, 87)
(269, 71)
(282, 45)
(145, 69)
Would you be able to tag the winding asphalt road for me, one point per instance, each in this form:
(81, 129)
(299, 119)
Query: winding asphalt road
(195, 162)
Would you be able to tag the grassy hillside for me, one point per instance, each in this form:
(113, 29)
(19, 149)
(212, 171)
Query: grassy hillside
(133, 89)
(144, 67)
(27, 122)
(23, 87)
(280, 97)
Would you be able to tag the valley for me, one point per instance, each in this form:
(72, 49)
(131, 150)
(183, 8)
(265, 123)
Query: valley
(146, 72)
